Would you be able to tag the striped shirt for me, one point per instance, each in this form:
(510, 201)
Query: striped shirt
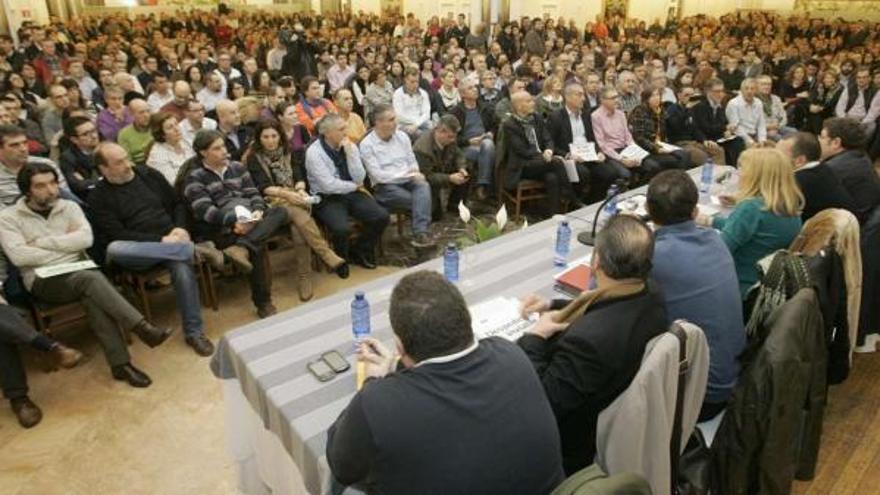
(213, 196)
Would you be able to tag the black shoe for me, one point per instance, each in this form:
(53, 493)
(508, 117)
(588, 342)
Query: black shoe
(201, 344)
(151, 335)
(342, 270)
(28, 414)
(132, 375)
(364, 261)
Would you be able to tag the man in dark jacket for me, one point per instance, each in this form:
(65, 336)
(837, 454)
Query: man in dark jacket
(76, 160)
(573, 121)
(585, 365)
(842, 141)
(530, 154)
(710, 122)
(455, 415)
(820, 187)
(443, 165)
(478, 127)
(681, 130)
(140, 224)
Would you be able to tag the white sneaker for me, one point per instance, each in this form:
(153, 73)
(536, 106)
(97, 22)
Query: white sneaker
(870, 344)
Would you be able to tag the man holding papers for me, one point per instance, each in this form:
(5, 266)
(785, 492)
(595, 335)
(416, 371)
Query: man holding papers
(43, 230)
(615, 140)
(710, 122)
(572, 132)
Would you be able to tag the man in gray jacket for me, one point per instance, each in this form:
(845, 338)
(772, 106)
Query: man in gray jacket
(336, 174)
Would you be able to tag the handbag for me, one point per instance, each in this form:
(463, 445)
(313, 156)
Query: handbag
(691, 469)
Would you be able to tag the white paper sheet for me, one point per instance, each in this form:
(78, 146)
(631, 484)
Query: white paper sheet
(634, 152)
(498, 317)
(62, 268)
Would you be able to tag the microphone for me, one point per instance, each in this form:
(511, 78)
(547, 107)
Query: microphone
(589, 237)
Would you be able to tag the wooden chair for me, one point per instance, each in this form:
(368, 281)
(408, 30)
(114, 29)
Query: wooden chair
(50, 318)
(526, 189)
(138, 281)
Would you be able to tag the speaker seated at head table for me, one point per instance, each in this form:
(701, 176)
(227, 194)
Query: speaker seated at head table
(454, 416)
(587, 351)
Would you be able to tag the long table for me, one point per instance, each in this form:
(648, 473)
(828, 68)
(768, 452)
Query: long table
(278, 413)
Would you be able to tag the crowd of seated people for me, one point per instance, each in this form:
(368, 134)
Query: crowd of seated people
(140, 142)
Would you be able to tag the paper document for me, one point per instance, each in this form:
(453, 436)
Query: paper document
(583, 150)
(634, 152)
(498, 317)
(62, 268)
(243, 215)
(571, 171)
(668, 148)
(725, 139)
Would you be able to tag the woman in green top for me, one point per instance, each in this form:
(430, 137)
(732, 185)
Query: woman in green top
(767, 214)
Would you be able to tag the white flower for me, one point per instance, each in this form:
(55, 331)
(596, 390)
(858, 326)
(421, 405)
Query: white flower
(501, 217)
(525, 224)
(463, 212)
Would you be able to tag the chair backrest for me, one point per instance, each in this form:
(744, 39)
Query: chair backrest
(500, 158)
(634, 432)
(593, 481)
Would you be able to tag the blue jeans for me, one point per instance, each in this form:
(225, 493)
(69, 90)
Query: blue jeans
(484, 155)
(414, 196)
(178, 259)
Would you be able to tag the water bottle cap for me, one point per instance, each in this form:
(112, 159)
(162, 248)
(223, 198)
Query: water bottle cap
(359, 294)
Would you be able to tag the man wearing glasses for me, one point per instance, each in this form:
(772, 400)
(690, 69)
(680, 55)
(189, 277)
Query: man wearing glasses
(613, 135)
(76, 161)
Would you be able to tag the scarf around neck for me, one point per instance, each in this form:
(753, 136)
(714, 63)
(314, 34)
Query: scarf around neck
(582, 303)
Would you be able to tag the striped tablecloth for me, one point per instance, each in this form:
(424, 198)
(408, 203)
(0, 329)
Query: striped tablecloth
(269, 357)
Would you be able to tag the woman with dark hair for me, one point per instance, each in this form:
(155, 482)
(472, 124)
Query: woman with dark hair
(195, 78)
(262, 83)
(647, 121)
(282, 180)
(16, 84)
(295, 133)
(235, 89)
(76, 99)
(685, 77)
(169, 150)
(396, 74)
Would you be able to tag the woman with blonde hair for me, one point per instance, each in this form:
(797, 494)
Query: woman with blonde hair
(550, 100)
(766, 217)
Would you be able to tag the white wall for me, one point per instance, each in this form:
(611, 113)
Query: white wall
(425, 9)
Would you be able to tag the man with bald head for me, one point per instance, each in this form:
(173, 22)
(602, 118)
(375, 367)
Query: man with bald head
(235, 135)
(477, 122)
(136, 137)
(530, 154)
(177, 106)
(140, 224)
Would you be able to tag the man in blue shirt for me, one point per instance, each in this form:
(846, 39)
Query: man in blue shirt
(697, 276)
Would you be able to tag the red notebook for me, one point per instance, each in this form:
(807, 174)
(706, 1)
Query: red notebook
(574, 280)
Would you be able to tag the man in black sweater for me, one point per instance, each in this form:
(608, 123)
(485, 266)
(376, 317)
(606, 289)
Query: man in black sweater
(456, 416)
(710, 122)
(140, 224)
(842, 141)
(585, 364)
(820, 186)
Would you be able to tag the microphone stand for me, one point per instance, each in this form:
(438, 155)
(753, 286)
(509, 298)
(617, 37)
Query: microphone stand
(589, 237)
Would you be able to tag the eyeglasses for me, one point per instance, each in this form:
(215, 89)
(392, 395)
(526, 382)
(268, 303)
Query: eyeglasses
(90, 132)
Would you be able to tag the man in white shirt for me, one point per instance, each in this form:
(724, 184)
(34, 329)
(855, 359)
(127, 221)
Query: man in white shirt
(412, 105)
(86, 84)
(746, 113)
(398, 184)
(339, 73)
(212, 92)
(195, 121)
(860, 101)
(161, 94)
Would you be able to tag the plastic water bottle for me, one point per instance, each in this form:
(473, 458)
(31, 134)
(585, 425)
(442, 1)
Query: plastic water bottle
(563, 243)
(706, 180)
(610, 208)
(360, 317)
(450, 262)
